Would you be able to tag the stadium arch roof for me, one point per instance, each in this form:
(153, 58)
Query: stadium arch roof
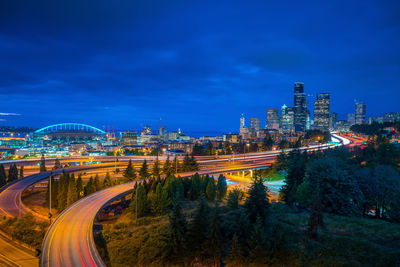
(69, 127)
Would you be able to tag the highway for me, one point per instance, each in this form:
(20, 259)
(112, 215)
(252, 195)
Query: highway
(10, 195)
(69, 241)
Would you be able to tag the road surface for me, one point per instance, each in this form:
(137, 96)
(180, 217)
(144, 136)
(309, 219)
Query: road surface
(69, 241)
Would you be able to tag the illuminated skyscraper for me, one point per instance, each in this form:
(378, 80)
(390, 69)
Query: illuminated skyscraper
(287, 119)
(322, 110)
(351, 118)
(360, 113)
(255, 124)
(300, 106)
(272, 118)
(242, 121)
(332, 121)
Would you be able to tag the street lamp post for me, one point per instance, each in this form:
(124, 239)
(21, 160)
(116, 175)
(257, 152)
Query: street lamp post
(50, 215)
(136, 196)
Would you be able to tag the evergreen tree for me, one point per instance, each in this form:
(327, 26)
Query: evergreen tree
(295, 175)
(142, 202)
(79, 186)
(57, 164)
(198, 228)
(107, 181)
(236, 253)
(338, 189)
(194, 166)
(195, 189)
(241, 234)
(71, 191)
(211, 190)
(12, 173)
(258, 241)
(281, 161)
(204, 182)
(3, 176)
(159, 201)
(130, 172)
(316, 219)
(221, 187)
(176, 234)
(215, 237)
(156, 169)
(21, 172)
(186, 165)
(167, 168)
(174, 187)
(176, 166)
(42, 164)
(96, 183)
(144, 173)
(257, 202)
(90, 187)
(234, 196)
(62, 192)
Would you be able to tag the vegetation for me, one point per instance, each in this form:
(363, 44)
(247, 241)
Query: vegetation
(13, 174)
(42, 164)
(371, 129)
(25, 229)
(329, 198)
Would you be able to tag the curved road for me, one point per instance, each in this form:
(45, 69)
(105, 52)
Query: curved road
(10, 195)
(69, 241)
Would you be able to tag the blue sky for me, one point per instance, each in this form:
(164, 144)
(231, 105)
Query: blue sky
(196, 64)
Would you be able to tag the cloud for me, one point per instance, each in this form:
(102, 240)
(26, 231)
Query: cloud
(9, 114)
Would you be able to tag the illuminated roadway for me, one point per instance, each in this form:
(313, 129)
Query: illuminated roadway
(69, 241)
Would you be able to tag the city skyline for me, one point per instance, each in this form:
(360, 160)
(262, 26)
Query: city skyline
(129, 70)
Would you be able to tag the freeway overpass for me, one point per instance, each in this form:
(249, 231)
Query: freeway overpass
(69, 241)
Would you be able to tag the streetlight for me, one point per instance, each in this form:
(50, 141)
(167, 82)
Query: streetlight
(247, 145)
(136, 200)
(50, 215)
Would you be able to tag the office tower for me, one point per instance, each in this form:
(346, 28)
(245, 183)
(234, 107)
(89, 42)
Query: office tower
(351, 118)
(128, 138)
(309, 122)
(332, 121)
(242, 121)
(255, 124)
(287, 119)
(283, 112)
(360, 113)
(272, 118)
(300, 106)
(321, 111)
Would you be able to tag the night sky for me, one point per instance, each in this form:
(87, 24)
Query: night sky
(196, 64)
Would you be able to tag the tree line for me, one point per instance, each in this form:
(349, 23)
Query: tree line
(68, 189)
(12, 174)
(364, 182)
(225, 226)
(155, 195)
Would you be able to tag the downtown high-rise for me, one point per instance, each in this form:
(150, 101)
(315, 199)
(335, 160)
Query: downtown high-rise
(287, 119)
(300, 106)
(272, 118)
(360, 113)
(322, 111)
(255, 124)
